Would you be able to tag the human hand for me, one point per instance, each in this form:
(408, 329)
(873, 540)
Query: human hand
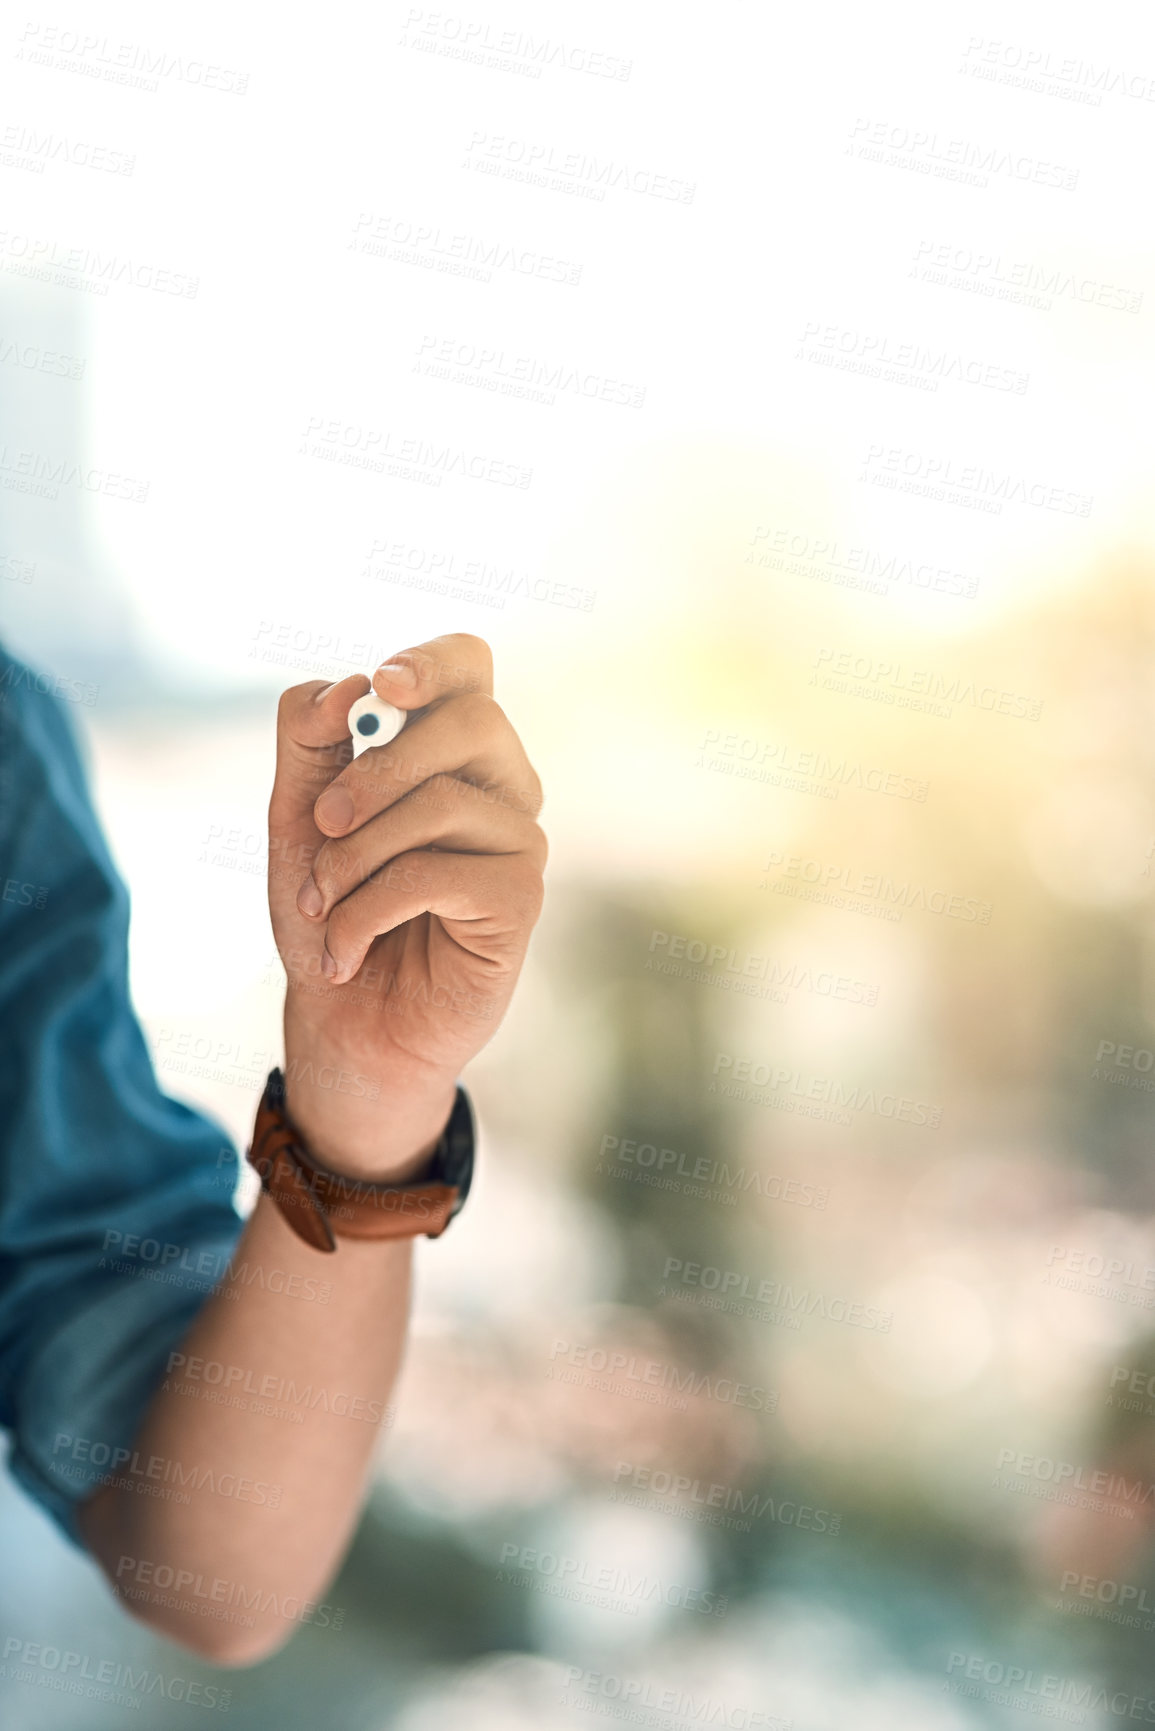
(403, 887)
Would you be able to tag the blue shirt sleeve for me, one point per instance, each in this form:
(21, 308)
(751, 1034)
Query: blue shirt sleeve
(116, 1213)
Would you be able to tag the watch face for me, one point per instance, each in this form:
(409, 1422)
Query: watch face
(455, 1158)
(275, 1090)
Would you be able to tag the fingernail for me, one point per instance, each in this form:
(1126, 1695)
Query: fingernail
(328, 965)
(334, 809)
(321, 695)
(309, 898)
(398, 672)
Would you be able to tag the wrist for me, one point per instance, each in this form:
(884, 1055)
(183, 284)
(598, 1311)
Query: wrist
(322, 1205)
(389, 1138)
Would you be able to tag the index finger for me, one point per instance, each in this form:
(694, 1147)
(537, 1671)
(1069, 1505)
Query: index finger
(312, 739)
(443, 667)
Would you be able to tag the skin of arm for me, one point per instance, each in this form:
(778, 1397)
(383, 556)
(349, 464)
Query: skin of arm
(403, 887)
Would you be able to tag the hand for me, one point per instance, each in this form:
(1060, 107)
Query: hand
(403, 886)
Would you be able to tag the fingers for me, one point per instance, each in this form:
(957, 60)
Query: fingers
(313, 742)
(486, 903)
(453, 814)
(443, 667)
(467, 736)
(312, 719)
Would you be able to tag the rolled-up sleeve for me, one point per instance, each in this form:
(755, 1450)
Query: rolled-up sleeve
(116, 1211)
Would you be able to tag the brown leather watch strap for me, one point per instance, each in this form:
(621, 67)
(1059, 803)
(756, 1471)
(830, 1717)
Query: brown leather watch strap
(322, 1206)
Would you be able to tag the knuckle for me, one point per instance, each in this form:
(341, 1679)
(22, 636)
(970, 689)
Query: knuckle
(377, 772)
(480, 712)
(333, 867)
(457, 795)
(341, 929)
(465, 662)
(528, 890)
(535, 897)
(475, 649)
(440, 793)
(290, 701)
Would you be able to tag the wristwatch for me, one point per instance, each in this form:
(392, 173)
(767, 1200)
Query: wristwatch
(322, 1206)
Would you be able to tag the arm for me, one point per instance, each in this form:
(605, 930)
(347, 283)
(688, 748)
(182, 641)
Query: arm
(272, 1502)
(403, 887)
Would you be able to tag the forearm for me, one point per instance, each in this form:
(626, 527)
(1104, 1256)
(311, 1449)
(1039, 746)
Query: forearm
(343, 1343)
